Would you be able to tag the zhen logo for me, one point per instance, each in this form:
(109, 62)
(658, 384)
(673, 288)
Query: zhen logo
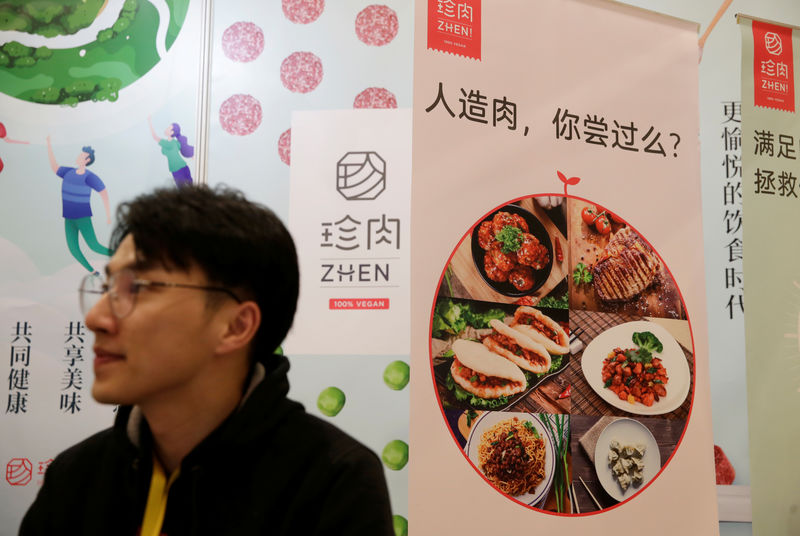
(361, 175)
(19, 471)
(773, 43)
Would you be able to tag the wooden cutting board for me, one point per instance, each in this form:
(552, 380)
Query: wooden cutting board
(471, 284)
(544, 399)
(586, 245)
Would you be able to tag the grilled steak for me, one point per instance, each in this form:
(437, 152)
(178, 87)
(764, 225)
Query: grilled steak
(625, 269)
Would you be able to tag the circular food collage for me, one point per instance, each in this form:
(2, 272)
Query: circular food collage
(561, 354)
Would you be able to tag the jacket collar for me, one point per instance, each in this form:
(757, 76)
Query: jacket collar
(266, 389)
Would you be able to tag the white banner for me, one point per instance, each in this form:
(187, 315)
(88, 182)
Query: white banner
(350, 216)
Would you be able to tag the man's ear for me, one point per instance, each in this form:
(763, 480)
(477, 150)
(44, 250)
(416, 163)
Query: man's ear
(240, 324)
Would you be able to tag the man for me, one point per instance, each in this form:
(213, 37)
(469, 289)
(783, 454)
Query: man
(200, 291)
(76, 190)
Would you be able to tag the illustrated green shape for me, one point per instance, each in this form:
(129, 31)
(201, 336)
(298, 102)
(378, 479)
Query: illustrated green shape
(81, 16)
(16, 49)
(395, 454)
(126, 50)
(42, 53)
(105, 35)
(43, 12)
(331, 401)
(27, 61)
(396, 375)
(47, 95)
(13, 21)
(50, 30)
(400, 525)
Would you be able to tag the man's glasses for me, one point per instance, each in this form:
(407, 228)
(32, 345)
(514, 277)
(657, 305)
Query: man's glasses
(122, 288)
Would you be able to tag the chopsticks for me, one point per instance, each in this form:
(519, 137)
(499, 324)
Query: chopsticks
(575, 342)
(574, 498)
(590, 494)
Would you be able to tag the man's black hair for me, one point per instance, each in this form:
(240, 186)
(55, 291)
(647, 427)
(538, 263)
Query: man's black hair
(237, 243)
(89, 151)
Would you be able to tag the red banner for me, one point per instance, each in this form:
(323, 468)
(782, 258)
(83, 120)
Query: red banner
(454, 26)
(773, 72)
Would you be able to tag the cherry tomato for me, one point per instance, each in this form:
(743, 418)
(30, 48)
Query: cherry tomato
(589, 215)
(602, 225)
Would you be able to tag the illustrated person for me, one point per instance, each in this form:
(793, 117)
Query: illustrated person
(200, 291)
(5, 138)
(76, 190)
(173, 147)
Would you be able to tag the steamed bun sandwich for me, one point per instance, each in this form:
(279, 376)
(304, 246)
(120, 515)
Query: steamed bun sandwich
(517, 347)
(485, 374)
(542, 329)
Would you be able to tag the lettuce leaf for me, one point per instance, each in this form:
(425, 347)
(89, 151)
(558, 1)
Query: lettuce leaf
(475, 401)
(554, 303)
(555, 364)
(450, 318)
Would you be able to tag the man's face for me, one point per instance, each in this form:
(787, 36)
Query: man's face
(156, 352)
(82, 159)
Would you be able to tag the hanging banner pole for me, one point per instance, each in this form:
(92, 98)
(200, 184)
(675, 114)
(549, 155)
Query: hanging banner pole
(204, 83)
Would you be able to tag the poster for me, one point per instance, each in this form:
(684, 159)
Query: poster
(770, 136)
(544, 180)
(722, 188)
(363, 53)
(274, 58)
(349, 214)
(271, 60)
(88, 84)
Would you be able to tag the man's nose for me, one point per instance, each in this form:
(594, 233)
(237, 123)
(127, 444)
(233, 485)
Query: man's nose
(100, 318)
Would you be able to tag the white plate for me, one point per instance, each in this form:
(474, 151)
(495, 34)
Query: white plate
(490, 418)
(672, 358)
(627, 432)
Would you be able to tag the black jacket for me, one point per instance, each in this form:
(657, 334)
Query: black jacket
(270, 468)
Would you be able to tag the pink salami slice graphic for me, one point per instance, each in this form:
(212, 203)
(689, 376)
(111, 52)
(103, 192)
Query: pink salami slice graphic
(285, 147)
(375, 97)
(301, 72)
(242, 41)
(240, 114)
(303, 11)
(376, 25)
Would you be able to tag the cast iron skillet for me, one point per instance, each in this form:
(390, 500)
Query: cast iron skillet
(536, 229)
